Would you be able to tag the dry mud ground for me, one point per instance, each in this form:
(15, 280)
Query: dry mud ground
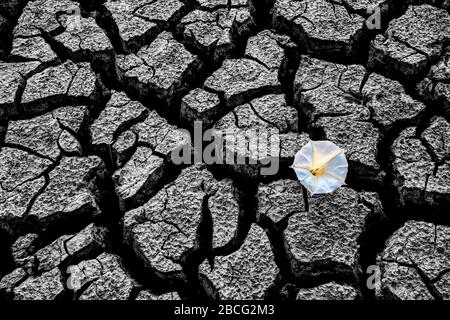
(95, 95)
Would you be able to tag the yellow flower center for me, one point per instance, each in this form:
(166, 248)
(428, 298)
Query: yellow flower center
(318, 171)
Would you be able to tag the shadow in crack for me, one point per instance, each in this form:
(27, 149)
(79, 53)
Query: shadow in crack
(6, 259)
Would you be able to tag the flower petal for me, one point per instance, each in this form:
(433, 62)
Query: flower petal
(302, 173)
(337, 167)
(324, 151)
(327, 183)
(303, 158)
(307, 179)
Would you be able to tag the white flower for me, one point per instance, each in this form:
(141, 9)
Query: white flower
(321, 167)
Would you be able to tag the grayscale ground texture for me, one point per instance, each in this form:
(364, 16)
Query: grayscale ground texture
(92, 206)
